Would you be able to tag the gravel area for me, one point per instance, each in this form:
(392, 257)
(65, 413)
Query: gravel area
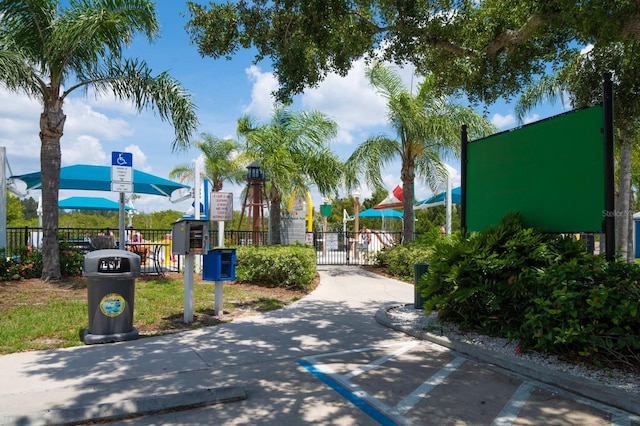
(414, 319)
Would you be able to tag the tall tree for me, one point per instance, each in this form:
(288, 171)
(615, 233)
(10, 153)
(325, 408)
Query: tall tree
(29, 208)
(223, 161)
(427, 127)
(49, 52)
(580, 79)
(293, 151)
(488, 48)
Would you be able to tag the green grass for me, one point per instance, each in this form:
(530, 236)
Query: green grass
(55, 324)
(53, 316)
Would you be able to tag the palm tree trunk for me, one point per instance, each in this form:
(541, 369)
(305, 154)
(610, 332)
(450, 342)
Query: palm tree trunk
(51, 128)
(407, 176)
(623, 209)
(275, 212)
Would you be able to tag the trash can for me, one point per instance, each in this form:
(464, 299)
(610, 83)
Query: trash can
(419, 269)
(111, 278)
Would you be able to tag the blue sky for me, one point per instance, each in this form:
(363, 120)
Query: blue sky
(223, 91)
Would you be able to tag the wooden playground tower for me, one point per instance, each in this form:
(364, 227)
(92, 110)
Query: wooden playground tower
(254, 205)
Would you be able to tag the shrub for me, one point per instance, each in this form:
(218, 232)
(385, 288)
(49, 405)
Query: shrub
(589, 308)
(14, 268)
(543, 290)
(71, 260)
(291, 267)
(27, 263)
(399, 260)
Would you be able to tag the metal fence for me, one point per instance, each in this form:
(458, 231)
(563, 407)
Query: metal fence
(157, 241)
(332, 248)
(339, 248)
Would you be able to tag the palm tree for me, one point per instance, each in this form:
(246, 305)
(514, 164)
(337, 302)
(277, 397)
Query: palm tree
(427, 125)
(48, 52)
(292, 149)
(580, 79)
(223, 161)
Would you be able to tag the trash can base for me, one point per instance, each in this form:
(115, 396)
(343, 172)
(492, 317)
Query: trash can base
(90, 339)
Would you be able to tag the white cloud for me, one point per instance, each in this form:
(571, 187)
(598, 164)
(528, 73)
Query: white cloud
(454, 175)
(349, 100)
(503, 121)
(531, 118)
(19, 131)
(262, 102)
(109, 102)
(140, 158)
(82, 119)
(83, 150)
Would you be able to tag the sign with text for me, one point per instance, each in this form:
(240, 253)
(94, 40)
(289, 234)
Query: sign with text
(221, 206)
(121, 171)
(121, 186)
(294, 223)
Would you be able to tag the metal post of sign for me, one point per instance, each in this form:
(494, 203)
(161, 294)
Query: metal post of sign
(220, 210)
(218, 289)
(121, 239)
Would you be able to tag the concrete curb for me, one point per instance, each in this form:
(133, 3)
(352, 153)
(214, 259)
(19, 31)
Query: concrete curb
(577, 385)
(131, 408)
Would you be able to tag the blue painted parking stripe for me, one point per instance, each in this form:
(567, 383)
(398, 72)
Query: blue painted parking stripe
(369, 409)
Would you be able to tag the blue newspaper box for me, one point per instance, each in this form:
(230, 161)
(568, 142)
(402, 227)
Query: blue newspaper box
(219, 265)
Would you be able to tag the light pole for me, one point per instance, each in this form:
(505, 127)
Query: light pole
(325, 201)
(356, 209)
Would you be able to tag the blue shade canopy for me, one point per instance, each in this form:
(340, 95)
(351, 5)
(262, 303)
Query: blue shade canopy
(98, 178)
(385, 214)
(438, 199)
(90, 203)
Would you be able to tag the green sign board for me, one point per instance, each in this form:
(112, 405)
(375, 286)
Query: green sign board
(325, 210)
(551, 171)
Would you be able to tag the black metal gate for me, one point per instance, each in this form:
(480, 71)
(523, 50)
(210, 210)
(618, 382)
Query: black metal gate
(339, 248)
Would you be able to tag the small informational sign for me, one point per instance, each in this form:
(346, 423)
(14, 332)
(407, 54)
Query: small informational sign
(294, 221)
(121, 171)
(332, 240)
(221, 206)
(121, 186)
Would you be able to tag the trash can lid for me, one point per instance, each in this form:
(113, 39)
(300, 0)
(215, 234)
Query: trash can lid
(111, 262)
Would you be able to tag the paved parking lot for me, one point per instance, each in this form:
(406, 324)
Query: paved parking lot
(420, 382)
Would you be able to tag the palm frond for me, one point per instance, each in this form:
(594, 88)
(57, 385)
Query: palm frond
(549, 89)
(368, 159)
(132, 80)
(183, 172)
(384, 80)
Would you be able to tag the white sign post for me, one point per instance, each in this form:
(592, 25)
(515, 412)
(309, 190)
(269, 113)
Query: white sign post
(220, 209)
(121, 181)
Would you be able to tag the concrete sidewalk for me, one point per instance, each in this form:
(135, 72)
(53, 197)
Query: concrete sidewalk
(205, 366)
(251, 366)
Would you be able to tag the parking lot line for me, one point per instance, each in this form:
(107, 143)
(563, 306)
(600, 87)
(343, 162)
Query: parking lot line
(414, 397)
(348, 393)
(512, 408)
